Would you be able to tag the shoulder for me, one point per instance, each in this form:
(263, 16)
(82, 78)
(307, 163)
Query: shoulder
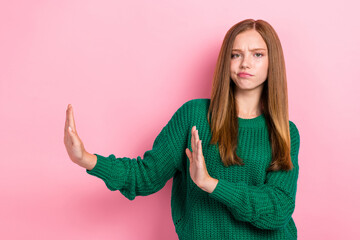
(197, 102)
(191, 112)
(294, 137)
(183, 119)
(294, 131)
(194, 106)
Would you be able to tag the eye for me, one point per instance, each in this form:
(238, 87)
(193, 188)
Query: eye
(260, 54)
(234, 55)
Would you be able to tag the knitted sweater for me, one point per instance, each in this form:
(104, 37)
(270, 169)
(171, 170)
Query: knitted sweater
(247, 203)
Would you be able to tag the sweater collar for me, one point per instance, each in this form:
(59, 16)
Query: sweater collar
(256, 122)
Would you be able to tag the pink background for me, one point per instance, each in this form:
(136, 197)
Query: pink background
(126, 67)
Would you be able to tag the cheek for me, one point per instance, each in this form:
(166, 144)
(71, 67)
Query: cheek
(263, 68)
(233, 66)
(264, 73)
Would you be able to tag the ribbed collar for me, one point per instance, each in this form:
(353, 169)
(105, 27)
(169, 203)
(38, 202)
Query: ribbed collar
(257, 122)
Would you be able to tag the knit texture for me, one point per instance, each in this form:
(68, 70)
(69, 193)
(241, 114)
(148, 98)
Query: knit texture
(247, 203)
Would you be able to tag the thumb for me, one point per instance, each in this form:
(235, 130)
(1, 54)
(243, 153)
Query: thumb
(188, 153)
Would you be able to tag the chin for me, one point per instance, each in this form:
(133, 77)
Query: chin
(248, 88)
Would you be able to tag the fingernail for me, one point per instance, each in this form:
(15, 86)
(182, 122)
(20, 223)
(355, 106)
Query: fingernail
(70, 128)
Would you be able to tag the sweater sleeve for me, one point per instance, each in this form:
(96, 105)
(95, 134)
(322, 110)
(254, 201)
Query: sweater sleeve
(269, 205)
(147, 175)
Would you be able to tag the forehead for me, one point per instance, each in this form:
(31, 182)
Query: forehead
(249, 39)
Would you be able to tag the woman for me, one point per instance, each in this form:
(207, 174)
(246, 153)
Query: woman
(233, 157)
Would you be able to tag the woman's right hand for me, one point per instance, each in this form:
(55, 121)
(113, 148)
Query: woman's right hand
(74, 145)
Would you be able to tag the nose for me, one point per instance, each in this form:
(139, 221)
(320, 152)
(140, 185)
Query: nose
(245, 63)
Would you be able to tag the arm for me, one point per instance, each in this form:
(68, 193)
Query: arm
(266, 206)
(147, 175)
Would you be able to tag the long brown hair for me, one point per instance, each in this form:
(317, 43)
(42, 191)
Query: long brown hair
(274, 100)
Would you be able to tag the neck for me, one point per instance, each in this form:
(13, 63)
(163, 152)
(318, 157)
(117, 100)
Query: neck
(251, 115)
(248, 104)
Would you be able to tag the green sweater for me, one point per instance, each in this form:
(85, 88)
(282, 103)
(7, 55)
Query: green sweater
(247, 203)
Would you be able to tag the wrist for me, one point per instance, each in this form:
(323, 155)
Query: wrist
(209, 185)
(89, 161)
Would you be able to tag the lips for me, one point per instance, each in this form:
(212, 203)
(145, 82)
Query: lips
(244, 74)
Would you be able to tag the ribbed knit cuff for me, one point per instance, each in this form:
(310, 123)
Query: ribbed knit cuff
(102, 168)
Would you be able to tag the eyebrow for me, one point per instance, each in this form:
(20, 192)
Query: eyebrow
(254, 49)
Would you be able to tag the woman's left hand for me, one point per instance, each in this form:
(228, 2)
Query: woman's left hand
(198, 171)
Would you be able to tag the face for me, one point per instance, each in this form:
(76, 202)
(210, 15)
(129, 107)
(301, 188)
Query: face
(249, 55)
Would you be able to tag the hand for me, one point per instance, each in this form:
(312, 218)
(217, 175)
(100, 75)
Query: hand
(74, 145)
(198, 171)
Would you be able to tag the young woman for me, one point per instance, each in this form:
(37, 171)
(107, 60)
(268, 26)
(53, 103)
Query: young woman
(233, 158)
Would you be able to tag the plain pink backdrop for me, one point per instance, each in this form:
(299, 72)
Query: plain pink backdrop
(126, 67)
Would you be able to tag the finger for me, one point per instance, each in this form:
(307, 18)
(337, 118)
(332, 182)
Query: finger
(196, 142)
(67, 137)
(69, 132)
(192, 138)
(200, 149)
(67, 119)
(73, 136)
(71, 119)
(66, 127)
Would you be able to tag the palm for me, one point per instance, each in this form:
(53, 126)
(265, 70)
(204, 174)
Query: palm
(197, 169)
(196, 172)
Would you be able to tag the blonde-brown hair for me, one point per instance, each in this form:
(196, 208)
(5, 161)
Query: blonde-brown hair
(274, 99)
